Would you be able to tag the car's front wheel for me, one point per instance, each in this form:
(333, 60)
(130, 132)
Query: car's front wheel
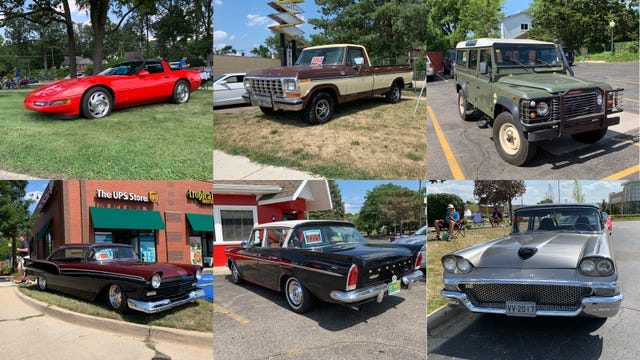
(117, 298)
(42, 282)
(181, 92)
(510, 142)
(320, 110)
(299, 298)
(267, 110)
(590, 137)
(236, 278)
(96, 103)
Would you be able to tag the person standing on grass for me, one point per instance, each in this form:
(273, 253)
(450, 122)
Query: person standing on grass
(16, 76)
(23, 253)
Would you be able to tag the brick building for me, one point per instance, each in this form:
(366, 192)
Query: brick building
(165, 221)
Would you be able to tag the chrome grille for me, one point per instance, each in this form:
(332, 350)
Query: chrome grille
(177, 288)
(266, 87)
(386, 271)
(581, 104)
(546, 297)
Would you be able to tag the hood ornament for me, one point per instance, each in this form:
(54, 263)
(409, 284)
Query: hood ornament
(526, 253)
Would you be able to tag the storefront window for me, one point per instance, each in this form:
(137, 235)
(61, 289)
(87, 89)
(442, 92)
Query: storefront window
(103, 237)
(48, 248)
(236, 224)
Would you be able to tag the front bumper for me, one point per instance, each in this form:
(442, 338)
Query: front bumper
(152, 307)
(555, 129)
(273, 102)
(374, 291)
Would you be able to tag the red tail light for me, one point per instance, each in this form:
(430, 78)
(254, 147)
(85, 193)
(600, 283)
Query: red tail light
(419, 260)
(352, 278)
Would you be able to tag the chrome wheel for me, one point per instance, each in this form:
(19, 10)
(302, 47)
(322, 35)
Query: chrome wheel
(42, 283)
(115, 296)
(181, 92)
(99, 104)
(322, 110)
(509, 139)
(462, 106)
(294, 293)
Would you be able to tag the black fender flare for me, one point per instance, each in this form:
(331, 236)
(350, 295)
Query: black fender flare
(512, 107)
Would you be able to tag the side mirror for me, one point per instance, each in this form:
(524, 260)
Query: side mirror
(244, 243)
(143, 72)
(359, 60)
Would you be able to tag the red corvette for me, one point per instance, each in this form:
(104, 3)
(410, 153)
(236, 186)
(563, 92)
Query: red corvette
(126, 84)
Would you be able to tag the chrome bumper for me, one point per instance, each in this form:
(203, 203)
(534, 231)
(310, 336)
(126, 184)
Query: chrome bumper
(275, 103)
(599, 306)
(151, 307)
(376, 291)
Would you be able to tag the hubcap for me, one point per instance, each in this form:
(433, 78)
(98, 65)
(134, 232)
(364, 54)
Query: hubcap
(42, 283)
(235, 272)
(115, 296)
(461, 106)
(509, 139)
(396, 93)
(182, 93)
(322, 110)
(99, 104)
(294, 292)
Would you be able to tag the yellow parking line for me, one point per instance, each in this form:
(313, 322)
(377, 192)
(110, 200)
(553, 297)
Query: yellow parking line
(621, 174)
(625, 99)
(627, 81)
(634, 143)
(453, 164)
(231, 314)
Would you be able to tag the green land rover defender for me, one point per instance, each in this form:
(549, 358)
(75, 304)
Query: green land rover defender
(521, 88)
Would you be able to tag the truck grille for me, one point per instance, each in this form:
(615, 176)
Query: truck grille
(384, 272)
(266, 87)
(546, 297)
(581, 104)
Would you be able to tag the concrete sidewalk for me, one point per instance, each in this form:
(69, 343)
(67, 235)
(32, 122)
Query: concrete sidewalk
(35, 330)
(232, 167)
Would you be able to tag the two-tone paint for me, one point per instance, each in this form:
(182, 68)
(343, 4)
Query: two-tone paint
(85, 277)
(95, 96)
(324, 270)
(532, 264)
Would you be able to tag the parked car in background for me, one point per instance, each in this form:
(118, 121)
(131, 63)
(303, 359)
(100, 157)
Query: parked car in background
(113, 271)
(420, 239)
(325, 260)
(422, 231)
(228, 89)
(431, 72)
(557, 261)
(126, 84)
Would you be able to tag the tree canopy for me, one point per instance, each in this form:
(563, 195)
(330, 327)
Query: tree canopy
(14, 211)
(388, 205)
(498, 191)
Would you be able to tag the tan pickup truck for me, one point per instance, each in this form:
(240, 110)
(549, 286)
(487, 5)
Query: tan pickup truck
(322, 77)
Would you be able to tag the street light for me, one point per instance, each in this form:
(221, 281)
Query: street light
(612, 24)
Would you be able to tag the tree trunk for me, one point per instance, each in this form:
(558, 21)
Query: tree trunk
(99, 10)
(71, 39)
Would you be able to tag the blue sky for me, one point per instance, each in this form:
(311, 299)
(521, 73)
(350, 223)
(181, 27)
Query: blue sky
(244, 24)
(595, 190)
(354, 191)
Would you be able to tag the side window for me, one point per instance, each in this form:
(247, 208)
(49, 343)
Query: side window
(485, 62)
(275, 237)
(473, 59)
(352, 55)
(461, 58)
(256, 238)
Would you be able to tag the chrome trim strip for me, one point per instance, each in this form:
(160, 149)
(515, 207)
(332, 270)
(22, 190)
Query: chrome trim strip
(152, 307)
(592, 284)
(72, 270)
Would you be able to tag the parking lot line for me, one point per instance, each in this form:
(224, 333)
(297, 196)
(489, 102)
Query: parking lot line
(451, 160)
(626, 99)
(627, 81)
(231, 314)
(621, 174)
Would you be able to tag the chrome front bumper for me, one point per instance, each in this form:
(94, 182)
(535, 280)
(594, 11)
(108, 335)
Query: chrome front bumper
(151, 307)
(598, 306)
(275, 103)
(375, 291)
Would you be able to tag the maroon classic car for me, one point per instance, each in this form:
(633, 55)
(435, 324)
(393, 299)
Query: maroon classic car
(91, 271)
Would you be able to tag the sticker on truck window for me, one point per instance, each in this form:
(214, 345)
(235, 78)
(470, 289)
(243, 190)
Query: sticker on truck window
(317, 60)
(312, 237)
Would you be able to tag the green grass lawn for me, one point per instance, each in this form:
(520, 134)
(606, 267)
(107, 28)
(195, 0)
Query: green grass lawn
(159, 141)
(195, 316)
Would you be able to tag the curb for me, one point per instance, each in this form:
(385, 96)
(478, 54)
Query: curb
(441, 316)
(221, 270)
(150, 332)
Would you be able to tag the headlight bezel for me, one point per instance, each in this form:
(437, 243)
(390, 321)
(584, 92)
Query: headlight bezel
(290, 85)
(596, 266)
(156, 280)
(455, 264)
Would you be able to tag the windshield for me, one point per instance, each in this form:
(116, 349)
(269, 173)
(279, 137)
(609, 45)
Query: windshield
(575, 219)
(322, 56)
(324, 235)
(126, 68)
(421, 231)
(527, 55)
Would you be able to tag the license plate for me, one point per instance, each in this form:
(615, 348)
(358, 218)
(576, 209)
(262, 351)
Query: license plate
(265, 103)
(393, 287)
(520, 308)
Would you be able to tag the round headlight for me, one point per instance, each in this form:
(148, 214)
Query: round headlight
(156, 279)
(449, 264)
(463, 265)
(605, 267)
(198, 274)
(532, 103)
(587, 266)
(542, 109)
(599, 99)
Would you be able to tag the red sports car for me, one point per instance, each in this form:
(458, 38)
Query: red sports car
(126, 84)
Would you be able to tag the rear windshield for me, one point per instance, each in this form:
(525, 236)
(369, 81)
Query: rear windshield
(324, 235)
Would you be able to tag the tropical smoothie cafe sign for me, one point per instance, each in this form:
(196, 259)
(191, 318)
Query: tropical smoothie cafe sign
(204, 198)
(151, 196)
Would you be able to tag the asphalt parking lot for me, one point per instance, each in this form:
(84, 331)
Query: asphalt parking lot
(461, 150)
(251, 322)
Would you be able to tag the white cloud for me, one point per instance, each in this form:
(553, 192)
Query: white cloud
(219, 35)
(255, 20)
(33, 195)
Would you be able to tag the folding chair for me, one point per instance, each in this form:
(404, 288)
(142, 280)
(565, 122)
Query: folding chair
(477, 220)
(459, 228)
